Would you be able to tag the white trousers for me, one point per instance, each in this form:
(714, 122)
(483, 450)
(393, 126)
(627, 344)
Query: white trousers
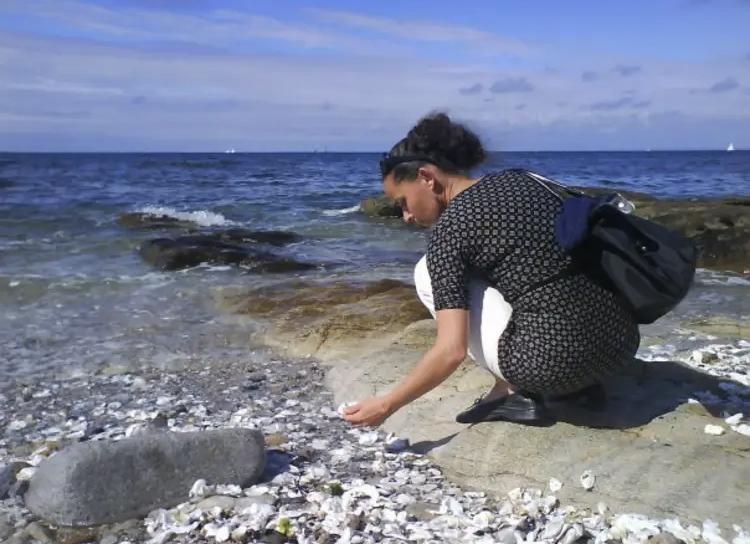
(489, 314)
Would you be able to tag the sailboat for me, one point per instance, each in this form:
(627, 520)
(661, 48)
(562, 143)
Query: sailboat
(731, 147)
(230, 150)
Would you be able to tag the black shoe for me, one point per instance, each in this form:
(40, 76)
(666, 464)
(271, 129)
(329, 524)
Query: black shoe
(518, 407)
(593, 397)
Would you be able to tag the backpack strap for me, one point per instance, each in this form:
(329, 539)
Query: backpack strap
(555, 188)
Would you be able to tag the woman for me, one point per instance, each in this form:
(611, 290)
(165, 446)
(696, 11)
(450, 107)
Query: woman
(497, 283)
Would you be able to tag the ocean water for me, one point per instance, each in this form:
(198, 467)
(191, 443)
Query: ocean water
(75, 295)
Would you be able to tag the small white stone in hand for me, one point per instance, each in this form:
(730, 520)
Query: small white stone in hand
(343, 406)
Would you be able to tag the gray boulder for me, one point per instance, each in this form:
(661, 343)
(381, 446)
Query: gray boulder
(98, 482)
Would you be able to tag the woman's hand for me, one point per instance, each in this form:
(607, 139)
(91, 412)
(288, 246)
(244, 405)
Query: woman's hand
(369, 412)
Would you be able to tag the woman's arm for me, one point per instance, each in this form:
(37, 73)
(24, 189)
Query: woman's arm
(436, 365)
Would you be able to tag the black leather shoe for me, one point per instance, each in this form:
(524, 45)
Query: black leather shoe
(518, 407)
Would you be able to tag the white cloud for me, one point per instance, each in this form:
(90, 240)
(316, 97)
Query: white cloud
(419, 30)
(105, 94)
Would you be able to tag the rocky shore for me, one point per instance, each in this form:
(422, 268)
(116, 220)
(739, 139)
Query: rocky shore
(667, 462)
(324, 481)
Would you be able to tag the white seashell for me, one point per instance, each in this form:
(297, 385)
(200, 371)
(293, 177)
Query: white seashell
(553, 528)
(449, 505)
(733, 420)
(229, 489)
(368, 439)
(715, 430)
(711, 533)
(588, 479)
(341, 455)
(199, 489)
(483, 519)
(239, 532)
(17, 425)
(555, 485)
(25, 474)
(573, 534)
(674, 527)
(222, 535)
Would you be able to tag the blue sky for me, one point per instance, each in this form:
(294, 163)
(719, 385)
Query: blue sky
(192, 75)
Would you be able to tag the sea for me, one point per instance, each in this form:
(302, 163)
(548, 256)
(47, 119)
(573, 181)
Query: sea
(75, 296)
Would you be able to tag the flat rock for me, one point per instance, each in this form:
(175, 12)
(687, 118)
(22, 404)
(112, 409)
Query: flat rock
(648, 450)
(188, 251)
(96, 482)
(312, 318)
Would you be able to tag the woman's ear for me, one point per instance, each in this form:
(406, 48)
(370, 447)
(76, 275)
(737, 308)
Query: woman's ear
(427, 175)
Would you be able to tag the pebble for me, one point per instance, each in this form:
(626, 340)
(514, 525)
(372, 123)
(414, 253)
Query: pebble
(588, 479)
(326, 482)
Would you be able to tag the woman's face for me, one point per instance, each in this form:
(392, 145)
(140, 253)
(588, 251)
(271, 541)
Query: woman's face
(419, 199)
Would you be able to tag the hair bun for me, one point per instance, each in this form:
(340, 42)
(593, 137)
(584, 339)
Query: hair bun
(435, 135)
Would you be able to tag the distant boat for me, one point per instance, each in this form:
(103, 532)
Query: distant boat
(731, 147)
(230, 150)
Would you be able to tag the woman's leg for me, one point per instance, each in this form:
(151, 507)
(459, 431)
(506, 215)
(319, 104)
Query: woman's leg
(489, 314)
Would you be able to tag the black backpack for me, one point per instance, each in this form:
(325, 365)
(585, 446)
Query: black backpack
(650, 267)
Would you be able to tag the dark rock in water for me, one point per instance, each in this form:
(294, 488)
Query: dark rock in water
(98, 482)
(6, 183)
(139, 220)
(244, 236)
(8, 477)
(380, 207)
(189, 251)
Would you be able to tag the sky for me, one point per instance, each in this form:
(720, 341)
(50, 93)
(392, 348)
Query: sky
(280, 75)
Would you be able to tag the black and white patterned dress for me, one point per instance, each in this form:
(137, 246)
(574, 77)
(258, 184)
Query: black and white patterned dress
(563, 335)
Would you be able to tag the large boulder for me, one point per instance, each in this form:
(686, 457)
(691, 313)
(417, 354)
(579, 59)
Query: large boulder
(98, 482)
(188, 251)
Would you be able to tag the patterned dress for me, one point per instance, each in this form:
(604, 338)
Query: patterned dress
(566, 332)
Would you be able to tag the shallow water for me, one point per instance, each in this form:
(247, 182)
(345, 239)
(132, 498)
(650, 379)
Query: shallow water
(75, 295)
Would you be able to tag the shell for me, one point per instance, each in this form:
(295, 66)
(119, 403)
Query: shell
(715, 430)
(588, 479)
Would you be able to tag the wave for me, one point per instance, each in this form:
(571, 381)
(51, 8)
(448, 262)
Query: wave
(344, 211)
(203, 218)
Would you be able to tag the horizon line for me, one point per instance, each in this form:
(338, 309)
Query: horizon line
(360, 152)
